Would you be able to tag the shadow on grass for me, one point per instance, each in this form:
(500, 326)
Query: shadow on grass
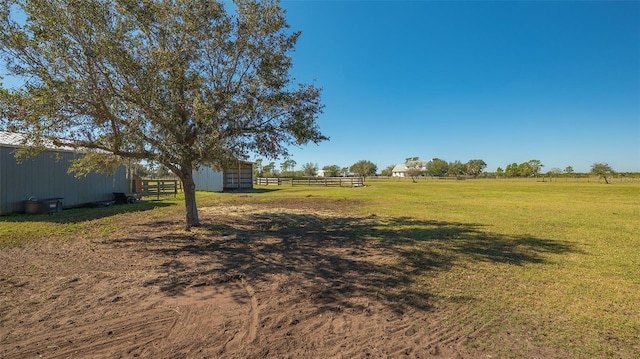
(338, 258)
(250, 190)
(78, 215)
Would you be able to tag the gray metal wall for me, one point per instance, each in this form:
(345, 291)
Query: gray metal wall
(43, 176)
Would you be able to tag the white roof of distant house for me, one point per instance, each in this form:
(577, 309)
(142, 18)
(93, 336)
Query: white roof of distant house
(13, 139)
(400, 167)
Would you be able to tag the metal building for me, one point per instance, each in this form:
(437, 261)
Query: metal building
(208, 179)
(45, 176)
(237, 176)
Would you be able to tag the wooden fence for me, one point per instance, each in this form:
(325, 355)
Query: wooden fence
(158, 188)
(269, 181)
(311, 181)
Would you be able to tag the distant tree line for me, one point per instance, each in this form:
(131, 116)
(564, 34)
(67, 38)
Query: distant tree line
(435, 167)
(439, 168)
(287, 169)
(531, 168)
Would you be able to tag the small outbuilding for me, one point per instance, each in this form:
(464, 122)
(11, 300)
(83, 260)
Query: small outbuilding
(239, 175)
(45, 178)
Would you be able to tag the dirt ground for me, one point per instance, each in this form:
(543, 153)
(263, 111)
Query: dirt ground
(250, 283)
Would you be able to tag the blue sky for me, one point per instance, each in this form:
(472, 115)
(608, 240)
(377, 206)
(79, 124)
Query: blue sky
(500, 81)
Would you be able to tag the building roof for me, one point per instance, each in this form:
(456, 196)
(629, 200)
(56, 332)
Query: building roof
(13, 139)
(400, 167)
(403, 167)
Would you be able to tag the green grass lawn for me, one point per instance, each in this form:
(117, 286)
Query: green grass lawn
(556, 263)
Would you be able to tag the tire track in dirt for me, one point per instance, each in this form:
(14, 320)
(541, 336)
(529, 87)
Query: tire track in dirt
(94, 339)
(254, 313)
(213, 320)
(124, 324)
(248, 334)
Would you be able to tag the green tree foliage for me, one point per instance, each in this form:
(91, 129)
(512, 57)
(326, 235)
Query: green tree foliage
(475, 167)
(569, 170)
(257, 168)
(414, 173)
(269, 170)
(602, 170)
(387, 171)
(331, 170)
(142, 170)
(499, 172)
(310, 169)
(288, 166)
(157, 170)
(364, 168)
(512, 170)
(536, 167)
(525, 169)
(181, 83)
(456, 168)
(437, 167)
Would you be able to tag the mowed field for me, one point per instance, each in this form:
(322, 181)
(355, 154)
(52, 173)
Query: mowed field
(467, 269)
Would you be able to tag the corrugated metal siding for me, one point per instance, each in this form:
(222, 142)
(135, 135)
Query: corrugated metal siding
(208, 179)
(44, 176)
(239, 177)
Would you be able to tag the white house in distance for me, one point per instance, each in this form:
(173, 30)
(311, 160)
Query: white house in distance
(400, 169)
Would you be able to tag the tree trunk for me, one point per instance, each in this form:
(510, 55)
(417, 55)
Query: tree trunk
(189, 187)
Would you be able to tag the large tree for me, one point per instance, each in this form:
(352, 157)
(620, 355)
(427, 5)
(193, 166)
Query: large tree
(414, 173)
(310, 169)
(331, 170)
(535, 166)
(475, 167)
(602, 170)
(437, 167)
(182, 83)
(364, 168)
